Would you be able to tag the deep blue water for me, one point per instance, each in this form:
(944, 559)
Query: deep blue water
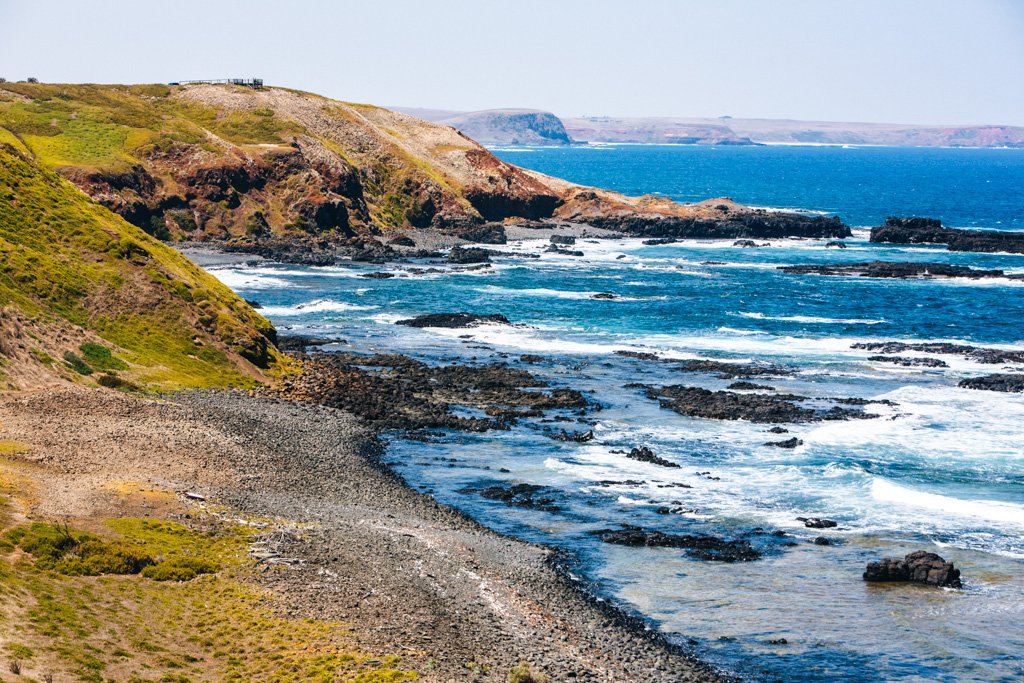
(863, 185)
(943, 469)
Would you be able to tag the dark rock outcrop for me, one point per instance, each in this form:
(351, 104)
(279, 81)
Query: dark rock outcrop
(463, 255)
(487, 233)
(529, 496)
(763, 408)
(698, 546)
(645, 454)
(752, 224)
(930, 231)
(999, 382)
(817, 523)
(730, 370)
(563, 239)
(896, 269)
(572, 437)
(917, 567)
(749, 386)
(788, 443)
(978, 354)
(454, 320)
(912, 362)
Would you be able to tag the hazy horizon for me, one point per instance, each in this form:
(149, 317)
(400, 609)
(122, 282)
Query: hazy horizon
(948, 62)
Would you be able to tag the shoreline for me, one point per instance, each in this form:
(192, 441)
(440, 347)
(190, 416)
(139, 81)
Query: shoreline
(410, 574)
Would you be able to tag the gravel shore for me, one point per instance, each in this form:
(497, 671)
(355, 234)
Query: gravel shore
(461, 603)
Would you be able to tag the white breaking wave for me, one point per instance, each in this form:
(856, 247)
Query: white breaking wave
(311, 307)
(240, 279)
(990, 510)
(813, 319)
(556, 293)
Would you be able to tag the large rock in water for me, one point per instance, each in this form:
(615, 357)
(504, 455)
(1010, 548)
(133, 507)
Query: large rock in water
(454, 320)
(917, 567)
(930, 231)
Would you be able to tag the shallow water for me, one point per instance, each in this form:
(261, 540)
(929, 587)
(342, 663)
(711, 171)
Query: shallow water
(943, 469)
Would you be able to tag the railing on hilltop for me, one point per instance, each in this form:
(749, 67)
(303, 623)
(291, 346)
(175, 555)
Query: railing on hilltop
(255, 83)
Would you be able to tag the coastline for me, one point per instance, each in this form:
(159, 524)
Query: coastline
(409, 574)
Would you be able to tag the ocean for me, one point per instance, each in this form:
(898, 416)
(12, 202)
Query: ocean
(940, 468)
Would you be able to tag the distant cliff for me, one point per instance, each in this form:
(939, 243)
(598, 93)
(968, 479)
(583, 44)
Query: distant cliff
(510, 127)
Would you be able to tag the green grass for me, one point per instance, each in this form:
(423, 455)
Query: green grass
(64, 256)
(127, 627)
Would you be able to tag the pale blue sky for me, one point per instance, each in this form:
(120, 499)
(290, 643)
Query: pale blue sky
(915, 61)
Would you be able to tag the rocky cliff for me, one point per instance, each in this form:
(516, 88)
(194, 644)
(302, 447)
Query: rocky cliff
(258, 168)
(87, 297)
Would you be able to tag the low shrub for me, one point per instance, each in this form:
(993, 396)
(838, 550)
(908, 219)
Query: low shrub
(524, 674)
(100, 357)
(180, 569)
(76, 363)
(112, 381)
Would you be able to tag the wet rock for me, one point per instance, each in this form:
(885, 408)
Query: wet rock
(911, 362)
(572, 437)
(778, 641)
(730, 370)
(699, 546)
(930, 231)
(529, 496)
(817, 523)
(659, 242)
(463, 255)
(728, 405)
(645, 454)
(999, 382)
(555, 249)
(640, 355)
(454, 320)
(379, 275)
(605, 295)
(917, 567)
(788, 443)
(747, 244)
(531, 358)
(563, 239)
(835, 245)
(978, 354)
(896, 269)
(821, 540)
(749, 224)
(299, 342)
(779, 430)
(750, 386)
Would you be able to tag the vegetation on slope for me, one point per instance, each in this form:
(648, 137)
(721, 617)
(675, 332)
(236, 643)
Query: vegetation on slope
(83, 292)
(105, 621)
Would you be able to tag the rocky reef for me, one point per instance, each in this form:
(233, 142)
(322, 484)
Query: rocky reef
(930, 231)
(764, 408)
(897, 269)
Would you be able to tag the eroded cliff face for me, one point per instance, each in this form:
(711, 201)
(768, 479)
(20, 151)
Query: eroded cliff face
(218, 162)
(262, 168)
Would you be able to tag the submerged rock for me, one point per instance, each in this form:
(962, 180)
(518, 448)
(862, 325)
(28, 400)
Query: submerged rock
(836, 245)
(572, 437)
(750, 386)
(917, 567)
(454, 320)
(699, 546)
(529, 496)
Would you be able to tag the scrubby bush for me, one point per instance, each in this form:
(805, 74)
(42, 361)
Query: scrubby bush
(75, 362)
(180, 569)
(32, 79)
(100, 357)
(57, 548)
(112, 381)
(41, 356)
(524, 674)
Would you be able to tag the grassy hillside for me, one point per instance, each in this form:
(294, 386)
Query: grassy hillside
(227, 162)
(87, 296)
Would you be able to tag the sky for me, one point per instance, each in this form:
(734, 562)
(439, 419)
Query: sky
(898, 61)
